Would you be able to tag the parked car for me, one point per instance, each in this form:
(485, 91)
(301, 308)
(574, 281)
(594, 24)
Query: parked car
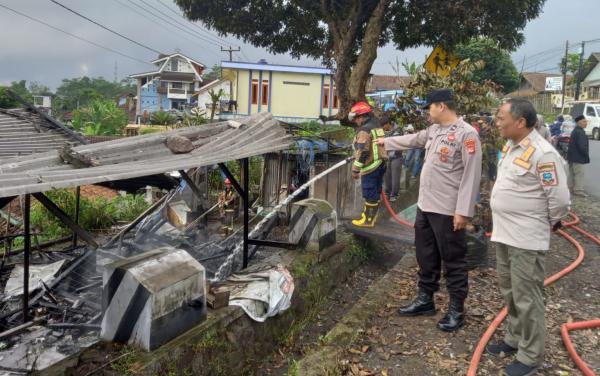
(591, 111)
(562, 144)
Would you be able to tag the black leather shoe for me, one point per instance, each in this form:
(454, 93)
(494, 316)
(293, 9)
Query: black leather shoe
(500, 348)
(423, 305)
(454, 319)
(517, 368)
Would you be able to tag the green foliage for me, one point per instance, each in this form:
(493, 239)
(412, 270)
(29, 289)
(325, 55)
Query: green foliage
(572, 65)
(195, 117)
(150, 130)
(470, 95)
(80, 92)
(101, 118)
(347, 33)
(498, 67)
(162, 118)
(17, 87)
(36, 88)
(213, 74)
(215, 97)
(94, 213)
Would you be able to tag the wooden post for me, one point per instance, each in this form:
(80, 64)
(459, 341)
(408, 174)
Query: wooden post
(27, 248)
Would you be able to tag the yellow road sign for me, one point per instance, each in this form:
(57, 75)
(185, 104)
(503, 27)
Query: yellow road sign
(441, 62)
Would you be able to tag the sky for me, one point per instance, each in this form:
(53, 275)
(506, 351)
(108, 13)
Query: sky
(34, 52)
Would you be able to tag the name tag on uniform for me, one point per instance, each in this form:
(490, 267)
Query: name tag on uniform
(547, 173)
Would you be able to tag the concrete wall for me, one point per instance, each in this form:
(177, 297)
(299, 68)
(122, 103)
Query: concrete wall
(291, 96)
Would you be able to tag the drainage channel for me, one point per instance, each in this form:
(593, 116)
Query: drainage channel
(307, 332)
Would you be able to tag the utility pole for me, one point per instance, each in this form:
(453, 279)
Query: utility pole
(564, 83)
(579, 72)
(231, 51)
(116, 71)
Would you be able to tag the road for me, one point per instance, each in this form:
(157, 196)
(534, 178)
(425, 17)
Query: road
(591, 182)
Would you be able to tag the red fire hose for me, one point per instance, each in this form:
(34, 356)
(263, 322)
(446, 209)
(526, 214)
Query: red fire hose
(565, 328)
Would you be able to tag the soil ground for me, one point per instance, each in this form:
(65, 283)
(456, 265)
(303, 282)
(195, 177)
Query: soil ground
(393, 345)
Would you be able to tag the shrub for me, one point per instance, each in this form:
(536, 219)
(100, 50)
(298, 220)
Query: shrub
(95, 213)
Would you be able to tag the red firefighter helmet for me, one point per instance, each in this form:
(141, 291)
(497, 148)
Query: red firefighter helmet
(227, 181)
(359, 108)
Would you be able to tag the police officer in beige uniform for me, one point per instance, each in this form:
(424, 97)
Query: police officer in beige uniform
(529, 199)
(449, 185)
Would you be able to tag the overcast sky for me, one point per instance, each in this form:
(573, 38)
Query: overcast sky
(31, 51)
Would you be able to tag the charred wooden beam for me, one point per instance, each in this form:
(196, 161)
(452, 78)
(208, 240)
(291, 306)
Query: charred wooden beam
(58, 212)
(190, 182)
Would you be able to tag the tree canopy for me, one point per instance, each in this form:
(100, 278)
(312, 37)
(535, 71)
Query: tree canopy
(345, 34)
(498, 67)
(80, 92)
(100, 118)
(17, 87)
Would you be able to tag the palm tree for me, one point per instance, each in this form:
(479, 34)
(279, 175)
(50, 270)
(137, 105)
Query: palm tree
(215, 98)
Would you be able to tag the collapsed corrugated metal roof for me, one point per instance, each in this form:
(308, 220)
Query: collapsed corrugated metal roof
(141, 155)
(24, 132)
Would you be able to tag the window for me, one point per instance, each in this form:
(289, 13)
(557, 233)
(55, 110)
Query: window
(336, 101)
(174, 65)
(176, 85)
(326, 96)
(589, 111)
(265, 92)
(254, 91)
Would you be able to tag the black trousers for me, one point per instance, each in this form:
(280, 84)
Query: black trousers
(439, 245)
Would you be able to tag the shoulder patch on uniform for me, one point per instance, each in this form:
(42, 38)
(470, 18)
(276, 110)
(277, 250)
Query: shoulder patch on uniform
(547, 173)
(471, 145)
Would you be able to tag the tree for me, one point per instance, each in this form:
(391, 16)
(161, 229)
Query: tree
(16, 87)
(101, 118)
(498, 68)
(36, 88)
(213, 74)
(215, 97)
(162, 118)
(80, 92)
(572, 65)
(345, 34)
(470, 95)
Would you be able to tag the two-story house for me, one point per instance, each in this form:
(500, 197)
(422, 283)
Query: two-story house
(170, 86)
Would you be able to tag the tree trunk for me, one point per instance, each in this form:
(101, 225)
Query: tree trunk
(351, 81)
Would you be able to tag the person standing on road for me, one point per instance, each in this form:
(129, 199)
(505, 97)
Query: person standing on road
(540, 126)
(391, 180)
(447, 192)
(529, 199)
(578, 155)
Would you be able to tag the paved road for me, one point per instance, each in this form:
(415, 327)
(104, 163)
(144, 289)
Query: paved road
(592, 174)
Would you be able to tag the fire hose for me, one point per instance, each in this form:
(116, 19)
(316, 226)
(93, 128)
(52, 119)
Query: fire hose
(565, 328)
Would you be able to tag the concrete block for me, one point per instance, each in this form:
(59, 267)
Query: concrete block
(313, 224)
(151, 298)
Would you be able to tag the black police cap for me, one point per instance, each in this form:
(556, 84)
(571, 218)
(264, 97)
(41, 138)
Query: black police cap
(437, 96)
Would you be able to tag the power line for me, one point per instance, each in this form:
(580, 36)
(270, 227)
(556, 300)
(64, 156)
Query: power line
(154, 22)
(172, 24)
(72, 35)
(193, 33)
(205, 31)
(104, 27)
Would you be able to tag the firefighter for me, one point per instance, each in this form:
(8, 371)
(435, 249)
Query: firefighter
(226, 207)
(369, 161)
